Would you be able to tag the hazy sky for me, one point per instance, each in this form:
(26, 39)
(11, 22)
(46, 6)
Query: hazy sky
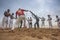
(39, 7)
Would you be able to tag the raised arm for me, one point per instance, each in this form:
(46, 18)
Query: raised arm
(25, 10)
(16, 15)
(40, 18)
(32, 13)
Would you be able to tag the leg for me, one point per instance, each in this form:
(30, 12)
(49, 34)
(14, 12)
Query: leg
(3, 22)
(31, 25)
(24, 23)
(7, 22)
(35, 25)
(50, 24)
(21, 24)
(41, 24)
(59, 25)
(38, 24)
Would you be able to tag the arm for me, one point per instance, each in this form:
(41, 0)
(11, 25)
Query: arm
(16, 15)
(35, 16)
(24, 10)
(40, 18)
(32, 13)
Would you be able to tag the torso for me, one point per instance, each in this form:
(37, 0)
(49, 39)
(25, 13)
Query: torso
(20, 12)
(6, 14)
(11, 16)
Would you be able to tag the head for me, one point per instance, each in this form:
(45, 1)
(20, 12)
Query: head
(8, 10)
(56, 16)
(48, 15)
(12, 13)
(19, 9)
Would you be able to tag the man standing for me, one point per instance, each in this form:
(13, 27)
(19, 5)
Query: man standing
(6, 18)
(30, 22)
(43, 21)
(58, 21)
(21, 16)
(50, 21)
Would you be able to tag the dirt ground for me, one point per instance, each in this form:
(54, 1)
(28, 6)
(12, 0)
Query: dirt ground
(30, 34)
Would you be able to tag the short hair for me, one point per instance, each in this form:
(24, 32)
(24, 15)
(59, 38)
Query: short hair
(12, 13)
(56, 15)
(19, 8)
(48, 15)
(8, 9)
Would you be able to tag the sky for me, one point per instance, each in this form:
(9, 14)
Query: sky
(39, 7)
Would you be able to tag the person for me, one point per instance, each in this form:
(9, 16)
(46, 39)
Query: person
(37, 20)
(58, 21)
(30, 22)
(43, 21)
(12, 21)
(6, 18)
(21, 17)
(50, 21)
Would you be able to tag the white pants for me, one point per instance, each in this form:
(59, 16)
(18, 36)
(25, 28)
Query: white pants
(5, 22)
(12, 24)
(21, 17)
(50, 24)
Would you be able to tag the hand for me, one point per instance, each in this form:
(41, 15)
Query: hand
(29, 11)
(40, 17)
(26, 10)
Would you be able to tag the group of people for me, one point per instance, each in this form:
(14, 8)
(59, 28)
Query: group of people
(8, 19)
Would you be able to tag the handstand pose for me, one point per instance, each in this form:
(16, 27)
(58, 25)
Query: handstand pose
(37, 20)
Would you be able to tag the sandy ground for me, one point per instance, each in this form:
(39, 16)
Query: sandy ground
(30, 34)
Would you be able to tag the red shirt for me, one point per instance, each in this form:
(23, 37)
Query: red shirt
(20, 12)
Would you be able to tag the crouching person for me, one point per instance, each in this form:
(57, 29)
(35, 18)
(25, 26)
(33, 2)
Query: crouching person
(12, 22)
